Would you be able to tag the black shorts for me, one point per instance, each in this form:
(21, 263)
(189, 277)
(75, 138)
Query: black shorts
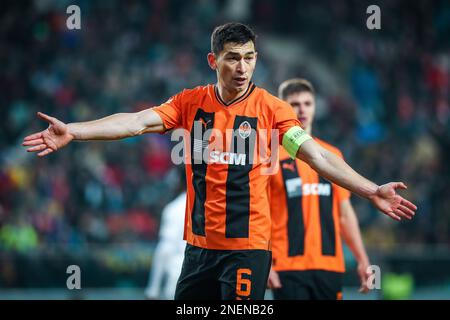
(223, 274)
(309, 285)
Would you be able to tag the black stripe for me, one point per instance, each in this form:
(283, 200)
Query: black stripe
(248, 91)
(238, 181)
(327, 221)
(295, 224)
(199, 169)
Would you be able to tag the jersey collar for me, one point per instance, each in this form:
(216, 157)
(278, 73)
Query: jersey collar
(250, 88)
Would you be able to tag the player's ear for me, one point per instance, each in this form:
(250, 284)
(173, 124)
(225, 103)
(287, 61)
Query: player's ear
(212, 61)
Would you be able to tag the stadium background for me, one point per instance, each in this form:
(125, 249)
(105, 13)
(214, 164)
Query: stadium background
(382, 95)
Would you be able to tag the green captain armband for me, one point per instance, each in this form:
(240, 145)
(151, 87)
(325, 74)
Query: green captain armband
(293, 139)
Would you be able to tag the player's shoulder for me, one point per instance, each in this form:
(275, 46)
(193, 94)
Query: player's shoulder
(271, 100)
(196, 91)
(328, 146)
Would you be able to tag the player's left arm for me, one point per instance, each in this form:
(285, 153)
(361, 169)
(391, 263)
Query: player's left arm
(351, 234)
(273, 282)
(297, 142)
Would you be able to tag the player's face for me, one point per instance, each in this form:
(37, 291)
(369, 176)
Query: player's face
(235, 65)
(304, 106)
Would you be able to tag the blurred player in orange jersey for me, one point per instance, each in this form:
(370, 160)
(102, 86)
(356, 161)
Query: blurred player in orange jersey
(227, 222)
(309, 216)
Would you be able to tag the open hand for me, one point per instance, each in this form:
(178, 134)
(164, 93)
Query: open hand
(392, 204)
(51, 139)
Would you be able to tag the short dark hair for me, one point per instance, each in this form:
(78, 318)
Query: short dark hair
(296, 85)
(231, 32)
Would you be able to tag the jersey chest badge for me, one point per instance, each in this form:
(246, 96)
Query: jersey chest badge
(245, 129)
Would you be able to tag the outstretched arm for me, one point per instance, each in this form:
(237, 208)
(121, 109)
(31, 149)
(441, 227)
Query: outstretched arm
(116, 126)
(335, 169)
(352, 236)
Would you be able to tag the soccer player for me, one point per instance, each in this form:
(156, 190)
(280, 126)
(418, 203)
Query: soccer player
(309, 215)
(227, 223)
(169, 252)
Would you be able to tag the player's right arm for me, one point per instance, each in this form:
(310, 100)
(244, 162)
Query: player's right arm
(113, 127)
(352, 236)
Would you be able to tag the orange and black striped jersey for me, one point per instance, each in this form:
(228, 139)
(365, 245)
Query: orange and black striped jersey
(227, 201)
(305, 217)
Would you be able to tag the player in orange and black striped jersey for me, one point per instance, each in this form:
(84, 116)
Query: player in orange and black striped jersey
(309, 215)
(227, 221)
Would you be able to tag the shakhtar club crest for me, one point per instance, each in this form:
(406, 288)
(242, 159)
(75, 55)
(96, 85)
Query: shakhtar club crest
(245, 129)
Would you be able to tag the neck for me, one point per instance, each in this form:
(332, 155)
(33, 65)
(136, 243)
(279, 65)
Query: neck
(229, 95)
(308, 130)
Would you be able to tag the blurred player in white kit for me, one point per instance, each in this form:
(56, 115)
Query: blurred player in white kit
(169, 252)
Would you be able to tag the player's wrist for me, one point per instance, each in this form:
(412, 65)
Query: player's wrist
(363, 260)
(372, 192)
(73, 132)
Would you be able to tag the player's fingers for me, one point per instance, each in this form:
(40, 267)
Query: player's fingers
(274, 282)
(364, 289)
(37, 148)
(45, 117)
(34, 142)
(409, 204)
(407, 211)
(393, 215)
(401, 214)
(33, 136)
(45, 152)
(363, 281)
(400, 185)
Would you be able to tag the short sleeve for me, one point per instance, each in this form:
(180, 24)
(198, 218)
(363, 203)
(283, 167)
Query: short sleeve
(171, 111)
(285, 118)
